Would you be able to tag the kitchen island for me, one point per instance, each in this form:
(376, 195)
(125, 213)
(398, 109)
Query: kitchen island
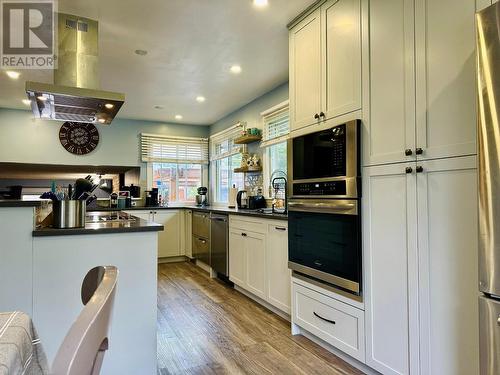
(42, 270)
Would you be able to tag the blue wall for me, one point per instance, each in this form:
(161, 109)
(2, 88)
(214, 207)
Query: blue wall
(251, 111)
(26, 140)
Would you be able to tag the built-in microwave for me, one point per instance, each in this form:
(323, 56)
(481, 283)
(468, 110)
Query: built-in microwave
(325, 163)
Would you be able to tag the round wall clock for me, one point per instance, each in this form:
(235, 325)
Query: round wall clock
(79, 138)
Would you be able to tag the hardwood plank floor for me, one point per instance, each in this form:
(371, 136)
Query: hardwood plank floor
(205, 327)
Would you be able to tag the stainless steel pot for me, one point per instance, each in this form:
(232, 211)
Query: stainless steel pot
(69, 213)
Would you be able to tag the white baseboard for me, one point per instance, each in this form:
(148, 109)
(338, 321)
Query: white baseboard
(297, 330)
(260, 301)
(178, 259)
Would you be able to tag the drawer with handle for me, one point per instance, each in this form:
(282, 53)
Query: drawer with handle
(335, 322)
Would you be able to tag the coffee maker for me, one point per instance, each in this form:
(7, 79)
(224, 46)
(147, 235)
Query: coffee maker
(152, 197)
(202, 198)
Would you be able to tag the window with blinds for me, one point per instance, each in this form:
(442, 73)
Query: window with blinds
(222, 144)
(180, 150)
(276, 125)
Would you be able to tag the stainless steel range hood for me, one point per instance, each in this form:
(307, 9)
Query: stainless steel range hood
(75, 94)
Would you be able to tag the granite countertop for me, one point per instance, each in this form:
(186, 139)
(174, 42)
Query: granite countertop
(101, 223)
(21, 203)
(220, 210)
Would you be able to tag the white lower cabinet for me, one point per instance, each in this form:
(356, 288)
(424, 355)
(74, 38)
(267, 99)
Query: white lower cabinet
(278, 273)
(170, 239)
(258, 259)
(337, 323)
(420, 266)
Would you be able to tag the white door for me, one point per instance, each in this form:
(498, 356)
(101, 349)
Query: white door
(447, 241)
(389, 251)
(305, 71)
(169, 238)
(278, 274)
(341, 70)
(255, 263)
(445, 78)
(237, 259)
(390, 124)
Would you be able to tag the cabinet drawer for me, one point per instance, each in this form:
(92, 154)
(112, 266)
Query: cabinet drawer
(340, 325)
(201, 224)
(243, 224)
(201, 249)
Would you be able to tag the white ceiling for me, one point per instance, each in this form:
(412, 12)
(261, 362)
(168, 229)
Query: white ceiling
(191, 45)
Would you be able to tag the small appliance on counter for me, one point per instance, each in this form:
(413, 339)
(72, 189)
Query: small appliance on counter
(124, 200)
(202, 198)
(152, 197)
(257, 201)
(135, 191)
(12, 192)
(113, 200)
(242, 199)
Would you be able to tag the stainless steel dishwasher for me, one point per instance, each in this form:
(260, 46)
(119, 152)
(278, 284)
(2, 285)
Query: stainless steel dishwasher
(219, 243)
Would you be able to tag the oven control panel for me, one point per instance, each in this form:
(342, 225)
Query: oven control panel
(320, 188)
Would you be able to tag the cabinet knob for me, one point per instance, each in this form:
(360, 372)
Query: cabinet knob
(419, 151)
(409, 170)
(408, 152)
(244, 234)
(316, 116)
(420, 169)
(322, 114)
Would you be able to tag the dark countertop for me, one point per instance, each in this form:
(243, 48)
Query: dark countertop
(219, 210)
(130, 225)
(21, 203)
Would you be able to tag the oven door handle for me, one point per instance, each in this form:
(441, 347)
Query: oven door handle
(326, 206)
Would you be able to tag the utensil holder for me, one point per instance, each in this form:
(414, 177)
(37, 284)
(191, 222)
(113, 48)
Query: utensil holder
(69, 213)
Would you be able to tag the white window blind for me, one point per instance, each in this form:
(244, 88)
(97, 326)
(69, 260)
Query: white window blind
(276, 125)
(222, 144)
(181, 150)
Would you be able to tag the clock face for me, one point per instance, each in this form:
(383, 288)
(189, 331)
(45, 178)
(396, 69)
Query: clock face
(79, 138)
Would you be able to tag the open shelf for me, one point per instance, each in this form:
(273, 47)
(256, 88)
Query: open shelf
(246, 139)
(247, 169)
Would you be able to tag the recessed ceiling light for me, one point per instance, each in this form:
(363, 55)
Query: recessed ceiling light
(178, 117)
(26, 102)
(200, 99)
(101, 120)
(236, 69)
(42, 98)
(12, 74)
(260, 3)
(109, 105)
(158, 107)
(141, 52)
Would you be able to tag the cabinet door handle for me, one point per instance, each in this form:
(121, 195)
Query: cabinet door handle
(419, 151)
(420, 169)
(280, 228)
(316, 116)
(408, 152)
(322, 114)
(244, 234)
(326, 320)
(409, 170)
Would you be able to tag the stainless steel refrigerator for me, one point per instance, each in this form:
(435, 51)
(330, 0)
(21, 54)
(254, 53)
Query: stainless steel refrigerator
(488, 63)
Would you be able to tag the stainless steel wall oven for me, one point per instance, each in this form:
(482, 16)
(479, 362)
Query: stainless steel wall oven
(324, 207)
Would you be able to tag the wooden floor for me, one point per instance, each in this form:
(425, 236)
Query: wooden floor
(205, 327)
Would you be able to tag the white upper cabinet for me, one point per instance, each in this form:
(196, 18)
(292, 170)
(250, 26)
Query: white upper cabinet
(341, 68)
(390, 122)
(448, 266)
(421, 80)
(325, 64)
(445, 78)
(305, 71)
